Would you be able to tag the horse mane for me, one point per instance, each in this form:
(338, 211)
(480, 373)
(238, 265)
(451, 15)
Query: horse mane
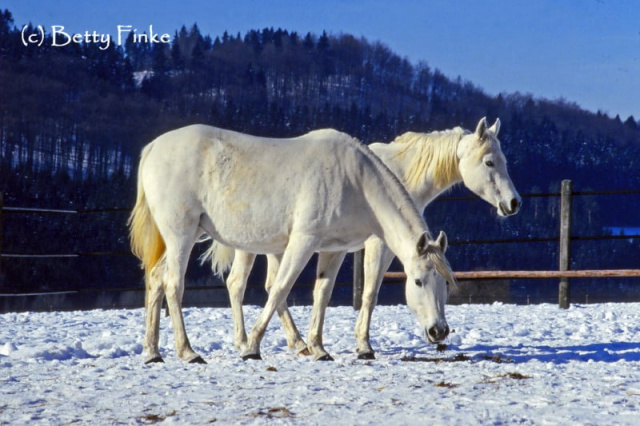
(436, 153)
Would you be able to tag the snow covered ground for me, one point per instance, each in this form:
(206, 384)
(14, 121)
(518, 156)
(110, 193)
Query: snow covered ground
(504, 364)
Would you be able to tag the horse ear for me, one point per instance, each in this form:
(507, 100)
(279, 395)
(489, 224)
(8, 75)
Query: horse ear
(442, 241)
(496, 127)
(423, 242)
(482, 127)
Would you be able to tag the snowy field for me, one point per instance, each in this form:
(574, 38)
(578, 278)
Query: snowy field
(503, 364)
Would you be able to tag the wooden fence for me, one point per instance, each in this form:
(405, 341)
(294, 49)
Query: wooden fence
(563, 273)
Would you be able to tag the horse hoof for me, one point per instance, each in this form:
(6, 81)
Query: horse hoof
(154, 360)
(326, 357)
(305, 352)
(367, 355)
(197, 360)
(251, 356)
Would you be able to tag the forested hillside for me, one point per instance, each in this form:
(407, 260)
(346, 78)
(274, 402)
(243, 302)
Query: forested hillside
(73, 120)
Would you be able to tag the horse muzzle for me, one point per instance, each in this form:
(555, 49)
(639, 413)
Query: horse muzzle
(510, 208)
(437, 334)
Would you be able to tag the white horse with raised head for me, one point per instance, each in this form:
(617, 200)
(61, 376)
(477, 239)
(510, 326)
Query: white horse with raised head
(321, 192)
(427, 164)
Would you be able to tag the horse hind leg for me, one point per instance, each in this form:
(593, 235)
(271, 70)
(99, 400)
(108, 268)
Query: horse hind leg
(177, 257)
(294, 340)
(154, 293)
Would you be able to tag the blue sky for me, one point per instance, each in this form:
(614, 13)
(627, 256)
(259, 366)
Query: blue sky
(584, 51)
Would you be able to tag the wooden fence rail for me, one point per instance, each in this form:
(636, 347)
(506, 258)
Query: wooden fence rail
(503, 275)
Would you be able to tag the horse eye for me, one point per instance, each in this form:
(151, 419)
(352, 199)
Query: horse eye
(489, 163)
(418, 283)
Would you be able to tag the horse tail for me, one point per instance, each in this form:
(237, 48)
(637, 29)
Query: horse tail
(221, 258)
(146, 242)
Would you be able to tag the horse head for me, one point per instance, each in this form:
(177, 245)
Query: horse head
(427, 286)
(483, 168)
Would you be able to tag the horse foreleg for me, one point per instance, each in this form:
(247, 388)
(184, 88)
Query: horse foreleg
(328, 266)
(377, 259)
(237, 284)
(176, 266)
(154, 293)
(294, 340)
(297, 254)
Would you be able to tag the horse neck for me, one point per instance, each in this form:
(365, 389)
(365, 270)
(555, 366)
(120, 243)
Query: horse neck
(428, 193)
(400, 223)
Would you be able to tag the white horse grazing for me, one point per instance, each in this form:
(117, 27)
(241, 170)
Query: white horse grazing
(323, 191)
(428, 164)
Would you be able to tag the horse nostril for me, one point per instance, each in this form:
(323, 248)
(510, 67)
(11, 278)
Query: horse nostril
(433, 333)
(515, 205)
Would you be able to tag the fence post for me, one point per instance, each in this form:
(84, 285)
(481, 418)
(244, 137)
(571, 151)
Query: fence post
(1, 237)
(358, 279)
(565, 243)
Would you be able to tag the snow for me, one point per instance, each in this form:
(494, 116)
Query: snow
(503, 364)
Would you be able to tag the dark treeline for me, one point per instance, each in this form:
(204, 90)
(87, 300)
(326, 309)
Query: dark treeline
(73, 120)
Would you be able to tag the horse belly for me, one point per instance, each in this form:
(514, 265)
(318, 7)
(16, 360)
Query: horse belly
(261, 221)
(246, 229)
